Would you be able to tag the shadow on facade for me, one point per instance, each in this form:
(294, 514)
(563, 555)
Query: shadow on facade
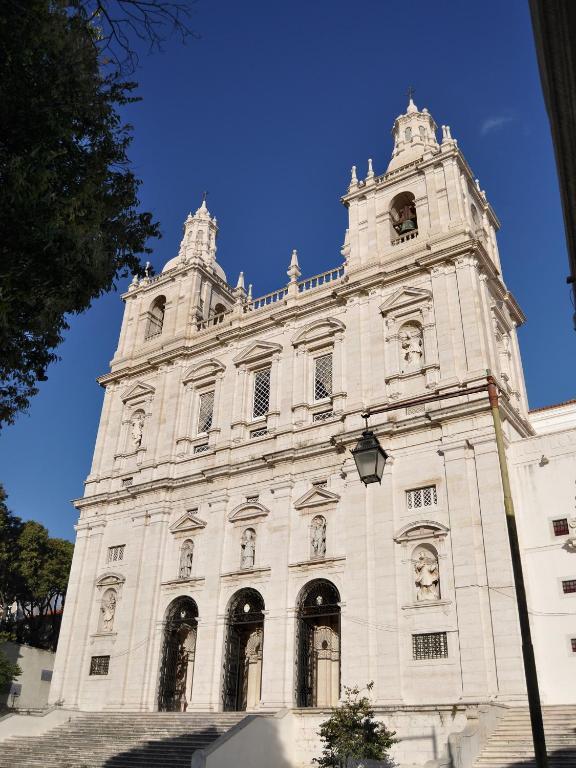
(557, 758)
(178, 751)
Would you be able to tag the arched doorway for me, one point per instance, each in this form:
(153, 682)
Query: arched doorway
(318, 645)
(243, 651)
(178, 653)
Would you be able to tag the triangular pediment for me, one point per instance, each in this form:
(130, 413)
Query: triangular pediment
(188, 522)
(405, 297)
(259, 350)
(248, 511)
(316, 497)
(319, 330)
(421, 529)
(204, 372)
(136, 391)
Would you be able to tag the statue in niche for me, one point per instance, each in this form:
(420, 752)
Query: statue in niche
(427, 577)
(186, 557)
(108, 609)
(318, 537)
(137, 428)
(248, 547)
(412, 348)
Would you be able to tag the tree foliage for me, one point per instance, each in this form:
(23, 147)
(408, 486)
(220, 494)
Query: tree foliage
(70, 224)
(352, 732)
(34, 571)
(8, 669)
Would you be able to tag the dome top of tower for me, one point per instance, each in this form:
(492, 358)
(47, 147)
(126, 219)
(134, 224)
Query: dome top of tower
(414, 134)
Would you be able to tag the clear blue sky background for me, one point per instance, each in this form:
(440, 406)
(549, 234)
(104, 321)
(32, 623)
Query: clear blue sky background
(268, 111)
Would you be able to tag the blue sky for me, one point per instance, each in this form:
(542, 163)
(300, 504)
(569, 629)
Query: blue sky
(268, 111)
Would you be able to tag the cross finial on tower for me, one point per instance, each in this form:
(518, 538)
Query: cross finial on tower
(411, 92)
(204, 195)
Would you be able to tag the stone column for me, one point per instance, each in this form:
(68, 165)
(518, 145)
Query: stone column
(469, 551)
(502, 594)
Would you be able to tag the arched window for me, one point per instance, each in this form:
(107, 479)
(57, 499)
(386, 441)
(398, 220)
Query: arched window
(318, 537)
(474, 212)
(107, 611)
(408, 134)
(178, 655)
(155, 317)
(426, 573)
(411, 347)
(248, 548)
(219, 311)
(186, 557)
(422, 132)
(403, 214)
(318, 645)
(242, 682)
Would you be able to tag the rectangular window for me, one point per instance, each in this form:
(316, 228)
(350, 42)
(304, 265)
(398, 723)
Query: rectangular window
(258, 433)
(261, 400)
(560, 527)
(99, 665)
(433, 645)
(569, 586)
(573, 644)
(205, 412)
(46, 675)
(115, 554)
(417, 498)
(323, 377)
(201, 448)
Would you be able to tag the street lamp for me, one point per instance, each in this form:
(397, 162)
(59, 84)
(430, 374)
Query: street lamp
(370, 458)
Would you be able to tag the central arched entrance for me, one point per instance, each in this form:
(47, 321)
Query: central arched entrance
(318, 645)
(178, 653)
(243, 651)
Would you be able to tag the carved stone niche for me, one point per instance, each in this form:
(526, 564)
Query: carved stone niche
(423, 562)
(411, 349)
(108, 597)
(137, 401)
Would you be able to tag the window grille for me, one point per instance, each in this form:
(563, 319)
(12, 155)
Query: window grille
(127, 482)
(99, 665)
(573, 644)
(413, 409)
(201, 448)
(561, 527)
(205, 412)
(261, 401)
(432, 645)
(258, 433)
(252, 499)
(569, 586)
(323, 416)
(422, 497)
(323, 377)
(115, 554)
(46, 675)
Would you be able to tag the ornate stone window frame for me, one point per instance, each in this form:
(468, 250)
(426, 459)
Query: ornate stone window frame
(258, 355)
(409, 305)
(409, 537)
(198, 380)
(315, 340)
(137, 397)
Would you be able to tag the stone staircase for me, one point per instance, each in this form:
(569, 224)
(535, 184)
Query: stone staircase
(510, 744)
(119, 740)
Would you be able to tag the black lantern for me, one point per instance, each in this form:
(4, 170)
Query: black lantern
(370, 458)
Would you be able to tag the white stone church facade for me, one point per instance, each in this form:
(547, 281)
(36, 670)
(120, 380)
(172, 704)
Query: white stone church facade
(227, 555)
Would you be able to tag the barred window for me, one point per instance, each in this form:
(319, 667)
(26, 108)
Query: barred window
(432, 645)
(205, 411)
(561, 527)
(261, 401)
(569, 586)
(116, 553)
(323, 377)
(323, 416)
(99, 665)
(202, 448)
(417, 498)
(258, 433)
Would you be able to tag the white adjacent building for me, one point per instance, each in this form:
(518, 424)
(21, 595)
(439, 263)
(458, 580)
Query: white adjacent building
(228, 557)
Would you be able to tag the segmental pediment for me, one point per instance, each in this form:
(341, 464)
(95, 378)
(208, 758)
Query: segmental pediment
(249, 510)
(318, 331)
(421, 529)
(204, 372)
